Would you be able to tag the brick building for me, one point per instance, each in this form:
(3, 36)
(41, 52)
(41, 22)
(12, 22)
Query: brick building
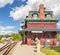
(41, 24)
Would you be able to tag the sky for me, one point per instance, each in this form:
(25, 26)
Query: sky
(13, 12)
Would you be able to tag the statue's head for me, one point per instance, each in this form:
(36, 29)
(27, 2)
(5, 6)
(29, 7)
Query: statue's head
(36, 39)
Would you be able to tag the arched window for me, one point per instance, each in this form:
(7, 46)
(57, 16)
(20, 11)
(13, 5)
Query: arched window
(35, 16)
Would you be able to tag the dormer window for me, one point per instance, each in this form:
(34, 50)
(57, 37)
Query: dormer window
(48, 17)
(35, 16)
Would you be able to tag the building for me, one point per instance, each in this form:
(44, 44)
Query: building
(41, 24)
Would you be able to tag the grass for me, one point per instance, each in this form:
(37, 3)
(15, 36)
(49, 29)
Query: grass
(2, 41)
(51, 50)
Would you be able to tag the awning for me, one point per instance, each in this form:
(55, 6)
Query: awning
(41, 29)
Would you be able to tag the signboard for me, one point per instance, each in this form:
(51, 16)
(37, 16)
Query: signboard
(42, 25)
(37, 31)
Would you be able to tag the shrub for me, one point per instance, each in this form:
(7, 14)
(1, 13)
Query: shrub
(16, 37)
(58, 37)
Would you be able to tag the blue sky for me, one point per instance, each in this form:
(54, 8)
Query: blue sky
(6, 20)
(12, 12)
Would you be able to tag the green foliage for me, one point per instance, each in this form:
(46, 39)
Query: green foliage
(58, 37)
(21, 32)
(2, 41)
(1, 37)
(51, 50)
(6, 35)
(16, 37)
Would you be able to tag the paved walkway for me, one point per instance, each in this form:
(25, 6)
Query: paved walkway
(25, 50)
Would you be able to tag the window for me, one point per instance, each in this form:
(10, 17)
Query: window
(48, 36)
(48, 17)
(35, 16)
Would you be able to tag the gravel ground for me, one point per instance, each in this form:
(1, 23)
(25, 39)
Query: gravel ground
(25, 50)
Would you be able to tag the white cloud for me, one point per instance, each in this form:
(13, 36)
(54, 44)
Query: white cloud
(2, 28)
(58, 25)
(6, 29)
(22, 11)
(21, 29)
(6, 32)
(57, 11)
(21, 24)
(10, 27)
(5, 2)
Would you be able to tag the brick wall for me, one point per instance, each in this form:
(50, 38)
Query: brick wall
(42, 38)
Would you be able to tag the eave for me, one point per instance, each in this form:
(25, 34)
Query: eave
(42, 29)
(37, 20)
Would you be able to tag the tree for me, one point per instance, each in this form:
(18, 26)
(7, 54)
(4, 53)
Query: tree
(1, 36)
(16, 36)
(6, 35)
(21, 32)
(58, 36)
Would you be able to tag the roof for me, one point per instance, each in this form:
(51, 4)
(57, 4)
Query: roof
(33, 12)
(37, 20)
(41, 29)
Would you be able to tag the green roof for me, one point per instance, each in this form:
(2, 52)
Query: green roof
(34, 12)
(49, 12)
(33, 20)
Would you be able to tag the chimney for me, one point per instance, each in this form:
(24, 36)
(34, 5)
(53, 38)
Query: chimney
(41, 12)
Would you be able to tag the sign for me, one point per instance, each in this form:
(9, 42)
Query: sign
(37, 31)
(41, 25)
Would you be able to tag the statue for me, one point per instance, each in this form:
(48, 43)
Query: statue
(37, 42)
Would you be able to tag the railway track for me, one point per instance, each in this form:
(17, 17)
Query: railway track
(5, 46)
(5, 50)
